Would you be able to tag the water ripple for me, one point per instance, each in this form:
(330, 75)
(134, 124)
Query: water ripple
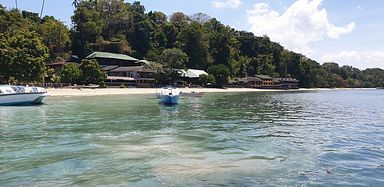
(329, 138)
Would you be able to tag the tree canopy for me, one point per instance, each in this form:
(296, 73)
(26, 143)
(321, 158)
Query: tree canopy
(92, 72)
(70, 73)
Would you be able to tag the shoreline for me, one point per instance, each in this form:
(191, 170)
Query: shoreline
(137, 91)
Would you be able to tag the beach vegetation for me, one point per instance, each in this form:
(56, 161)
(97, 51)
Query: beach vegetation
(70, 73)
(91, 72)
(122, 86)
(173, 59)
(22, 56)
(205, 79)
(220, 73)
(55, 35)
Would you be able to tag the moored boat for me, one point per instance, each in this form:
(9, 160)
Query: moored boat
(21, 95)
(169, 96)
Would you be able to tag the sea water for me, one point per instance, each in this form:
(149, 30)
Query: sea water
(314, 138)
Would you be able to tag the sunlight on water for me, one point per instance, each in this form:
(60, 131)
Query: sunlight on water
(326, 138)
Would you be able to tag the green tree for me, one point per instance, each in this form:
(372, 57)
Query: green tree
(56, 37)
(219, 47)
(221, 74)
(144, 31)
(373, 77)
(173, 59)
(23, 56)
(193, 41)
(331, 67)
(170, 32)
(205, 79)
(158, 18)
(70, 74)
(117, 19)
(200, 18)
(31, 16)
(92, 72)
(179, 19)
(87, 27)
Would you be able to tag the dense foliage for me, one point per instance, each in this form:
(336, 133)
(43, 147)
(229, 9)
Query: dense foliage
(220, 73)
(27, 43)
(22, 51)
(71, 73)
(92, 73)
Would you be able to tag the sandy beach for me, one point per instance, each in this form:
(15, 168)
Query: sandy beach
(130, 91)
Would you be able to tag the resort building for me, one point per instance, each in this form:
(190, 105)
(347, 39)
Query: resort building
(113, 59)
(287, 83)
(191, 76)
(140, 76)
(267, 82)
(252, 82)
(124, 70)
(58, 66)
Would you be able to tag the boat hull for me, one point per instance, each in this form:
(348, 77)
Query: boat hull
(21, 99)
(170, 99)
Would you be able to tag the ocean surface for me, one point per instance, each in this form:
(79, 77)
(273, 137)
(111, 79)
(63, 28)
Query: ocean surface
(314, 138)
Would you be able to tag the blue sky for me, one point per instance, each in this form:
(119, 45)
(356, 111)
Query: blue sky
(349, 32)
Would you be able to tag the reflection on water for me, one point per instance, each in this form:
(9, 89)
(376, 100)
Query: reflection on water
(242, 139)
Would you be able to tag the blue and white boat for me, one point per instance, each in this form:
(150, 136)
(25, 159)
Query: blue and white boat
(21, 95)
(169, 96)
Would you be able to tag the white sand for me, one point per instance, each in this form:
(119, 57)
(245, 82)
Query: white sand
(125, 91)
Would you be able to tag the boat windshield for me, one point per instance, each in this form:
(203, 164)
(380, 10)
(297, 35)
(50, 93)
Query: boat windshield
(21, 88)
(16, 89)
(7, 90)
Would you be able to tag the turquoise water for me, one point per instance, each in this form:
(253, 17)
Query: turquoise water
(325, 138)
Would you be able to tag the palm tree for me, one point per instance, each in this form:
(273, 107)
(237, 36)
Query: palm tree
(42, 8)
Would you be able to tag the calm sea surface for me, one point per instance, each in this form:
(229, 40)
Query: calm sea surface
(324, 138)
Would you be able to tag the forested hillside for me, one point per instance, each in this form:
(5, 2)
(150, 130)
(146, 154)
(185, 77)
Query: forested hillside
(27, 43)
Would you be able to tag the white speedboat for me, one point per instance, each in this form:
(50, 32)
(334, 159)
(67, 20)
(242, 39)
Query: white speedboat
(21, 95)
(169, 95)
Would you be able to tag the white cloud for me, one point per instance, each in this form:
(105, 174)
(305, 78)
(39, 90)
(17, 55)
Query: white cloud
(226, 4)
(359, 59)
(302, 23)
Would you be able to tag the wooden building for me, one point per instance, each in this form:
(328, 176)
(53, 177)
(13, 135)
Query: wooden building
(252, 82)
(267, 82)
(135, 72)
(137, 76)
(58, 66)
(191, 76)
(287, 83)
(124, 70)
